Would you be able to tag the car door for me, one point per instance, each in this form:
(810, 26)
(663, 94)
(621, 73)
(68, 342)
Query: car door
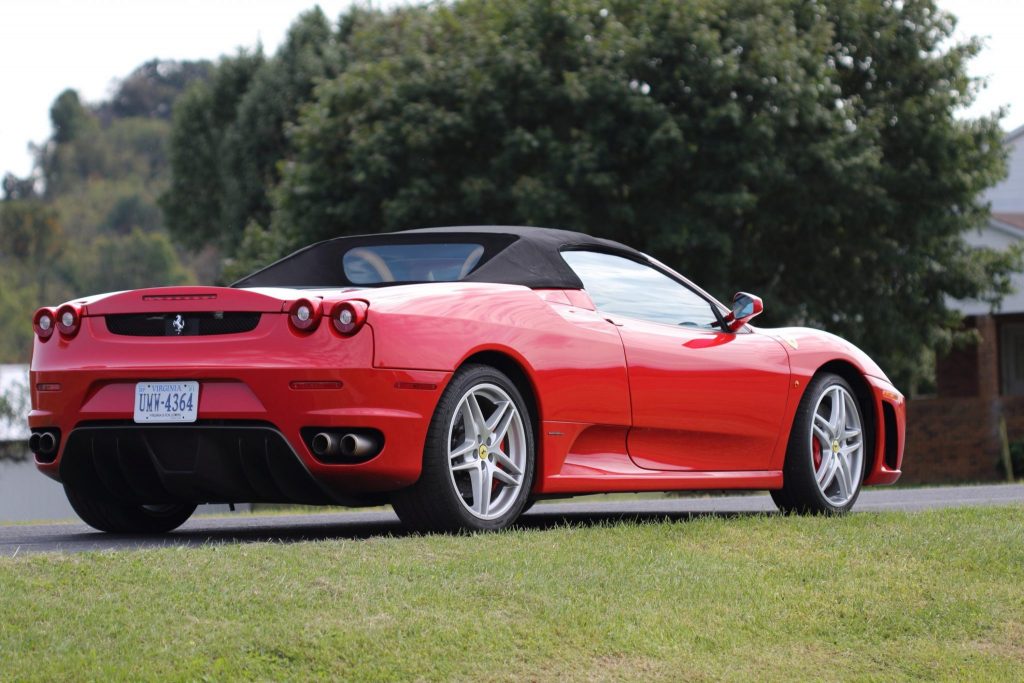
(702, 399)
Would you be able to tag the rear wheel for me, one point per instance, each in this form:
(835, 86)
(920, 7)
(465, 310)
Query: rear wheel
(118, 518)
(478, 459)
(825, 458)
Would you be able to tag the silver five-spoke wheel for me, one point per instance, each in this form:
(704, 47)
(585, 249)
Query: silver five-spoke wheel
(827, 455)
(478, 456)
(487, 451)
(837, 445)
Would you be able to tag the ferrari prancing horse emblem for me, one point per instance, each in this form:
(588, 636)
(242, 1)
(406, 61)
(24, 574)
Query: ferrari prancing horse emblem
(178, 324)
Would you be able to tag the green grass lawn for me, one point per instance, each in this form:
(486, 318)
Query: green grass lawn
(932, 595)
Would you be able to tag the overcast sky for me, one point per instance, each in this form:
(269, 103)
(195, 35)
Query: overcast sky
(49, 45)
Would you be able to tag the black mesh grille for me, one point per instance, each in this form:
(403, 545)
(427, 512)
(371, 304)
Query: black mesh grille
(181, 324)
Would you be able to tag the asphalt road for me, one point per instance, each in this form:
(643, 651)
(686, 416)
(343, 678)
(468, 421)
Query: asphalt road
(247, 528)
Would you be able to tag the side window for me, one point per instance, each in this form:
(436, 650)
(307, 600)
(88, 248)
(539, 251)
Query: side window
(624, 287)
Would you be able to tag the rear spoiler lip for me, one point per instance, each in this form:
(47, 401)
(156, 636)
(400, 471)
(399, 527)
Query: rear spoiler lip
(187, 299)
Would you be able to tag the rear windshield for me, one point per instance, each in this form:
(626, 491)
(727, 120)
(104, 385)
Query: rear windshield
(428, 262)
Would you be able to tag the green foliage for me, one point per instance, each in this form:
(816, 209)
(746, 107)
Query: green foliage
(133, 150)
(17, 304)
(255, 141)
(71, 122)
(803, 151)
(18, 188)
(151, 89)
(96, 225)
(130, 212)
(30, 234)
(68, 117)
(116, 262)
(256, 244)
(230, 134)
(193, 204)
(29, 231)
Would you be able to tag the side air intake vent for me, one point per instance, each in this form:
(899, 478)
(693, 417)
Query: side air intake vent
(891, 447)
(181, 324)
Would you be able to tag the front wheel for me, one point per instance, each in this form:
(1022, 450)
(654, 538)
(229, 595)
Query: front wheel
(825, 457)
(119, 518)
(478, 459)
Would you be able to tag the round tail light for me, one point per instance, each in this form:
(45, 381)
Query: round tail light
(304, 315)
(44, 322)
(348, 316)
(68, 320)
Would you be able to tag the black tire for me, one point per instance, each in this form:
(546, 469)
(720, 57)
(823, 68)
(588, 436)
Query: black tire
(118, 518)
(433, 503)
(800, 492)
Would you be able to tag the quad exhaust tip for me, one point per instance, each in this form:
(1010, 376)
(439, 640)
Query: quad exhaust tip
(349, 445)
(47, 443)
(358, 446)
(324, 444)
(43, 444)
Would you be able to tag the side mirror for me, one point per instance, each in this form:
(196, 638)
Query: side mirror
(745, 307)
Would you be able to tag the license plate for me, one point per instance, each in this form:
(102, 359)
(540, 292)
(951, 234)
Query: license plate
(166, 401)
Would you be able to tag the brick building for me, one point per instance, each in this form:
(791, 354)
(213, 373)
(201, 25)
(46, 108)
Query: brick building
(954, 435)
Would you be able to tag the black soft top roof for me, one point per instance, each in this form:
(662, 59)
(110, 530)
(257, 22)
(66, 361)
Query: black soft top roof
(512, 255)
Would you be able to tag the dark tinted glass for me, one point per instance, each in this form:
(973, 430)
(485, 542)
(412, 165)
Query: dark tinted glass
(624, 287)
(378, 264)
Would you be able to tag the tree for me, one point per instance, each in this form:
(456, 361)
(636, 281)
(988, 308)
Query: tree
(114, 263)
(256, 141)
(806, 151)
(241, 140)
(17, 304)
(17, 188)
(193, 205)
(31, 239)
(73, 153)
(152, 88)
(86, 219)
(69, 117)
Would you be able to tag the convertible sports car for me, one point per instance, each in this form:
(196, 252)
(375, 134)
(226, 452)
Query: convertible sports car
(457, 373)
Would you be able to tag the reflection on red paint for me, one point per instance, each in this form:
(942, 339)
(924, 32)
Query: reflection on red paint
(708, 342)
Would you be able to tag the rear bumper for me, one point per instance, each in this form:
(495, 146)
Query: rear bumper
(281, 384)
(369, 399)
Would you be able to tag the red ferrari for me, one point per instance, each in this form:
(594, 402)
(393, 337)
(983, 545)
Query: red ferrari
(458, 374)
